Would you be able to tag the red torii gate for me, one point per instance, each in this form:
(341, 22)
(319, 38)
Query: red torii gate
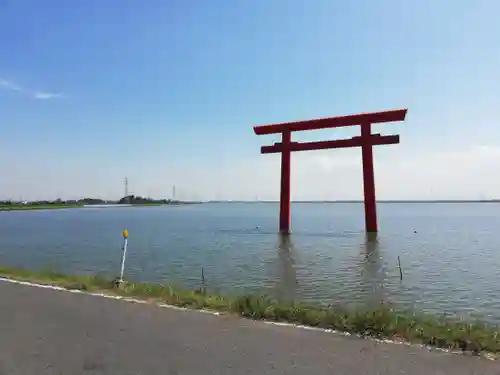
(366, 141)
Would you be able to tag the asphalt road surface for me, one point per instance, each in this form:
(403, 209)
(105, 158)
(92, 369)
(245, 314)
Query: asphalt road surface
(46, 332)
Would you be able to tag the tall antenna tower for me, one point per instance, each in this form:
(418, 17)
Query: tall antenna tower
(173, 192)
(126, 186)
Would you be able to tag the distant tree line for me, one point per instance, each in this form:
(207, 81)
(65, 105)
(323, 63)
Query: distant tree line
(54, 202)
(133, 199)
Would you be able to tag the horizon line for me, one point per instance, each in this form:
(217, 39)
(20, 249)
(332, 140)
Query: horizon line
(271, 200)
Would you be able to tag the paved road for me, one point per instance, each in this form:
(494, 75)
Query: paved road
(46, 332)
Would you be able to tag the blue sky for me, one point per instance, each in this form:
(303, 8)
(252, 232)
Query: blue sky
(167, 92)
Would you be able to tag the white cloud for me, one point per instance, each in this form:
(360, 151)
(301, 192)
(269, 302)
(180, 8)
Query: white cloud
(337, 174)
(37, 94)
(452, 174)
(8, 85)
(46, 95)
(457, 173)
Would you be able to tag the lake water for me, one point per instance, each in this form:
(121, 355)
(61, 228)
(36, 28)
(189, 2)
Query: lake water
(449, 251)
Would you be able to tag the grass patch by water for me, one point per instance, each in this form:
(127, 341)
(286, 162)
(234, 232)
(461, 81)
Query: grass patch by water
(28, 207)
(383, 322)
(150, 204)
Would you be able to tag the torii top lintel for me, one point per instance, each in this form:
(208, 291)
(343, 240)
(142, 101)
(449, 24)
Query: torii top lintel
(333, 122)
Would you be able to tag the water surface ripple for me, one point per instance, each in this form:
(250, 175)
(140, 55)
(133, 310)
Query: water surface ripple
(449, 252)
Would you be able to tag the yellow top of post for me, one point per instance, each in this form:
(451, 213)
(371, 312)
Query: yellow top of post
(125, 233)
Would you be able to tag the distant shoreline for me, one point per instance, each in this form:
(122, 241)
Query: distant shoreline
(28, 207)
(32, 207)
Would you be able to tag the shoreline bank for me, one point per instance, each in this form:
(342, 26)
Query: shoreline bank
(67, 206)
(383, 322)
(38, 207)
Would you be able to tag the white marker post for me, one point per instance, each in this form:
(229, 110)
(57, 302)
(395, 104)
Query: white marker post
(124, 254)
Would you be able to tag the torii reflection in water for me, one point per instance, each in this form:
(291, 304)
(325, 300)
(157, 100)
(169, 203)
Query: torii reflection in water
(287, 283)
(372, 270)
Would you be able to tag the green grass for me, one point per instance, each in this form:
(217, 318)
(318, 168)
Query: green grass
(383, 322)
(149, 204)
(27, 207)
